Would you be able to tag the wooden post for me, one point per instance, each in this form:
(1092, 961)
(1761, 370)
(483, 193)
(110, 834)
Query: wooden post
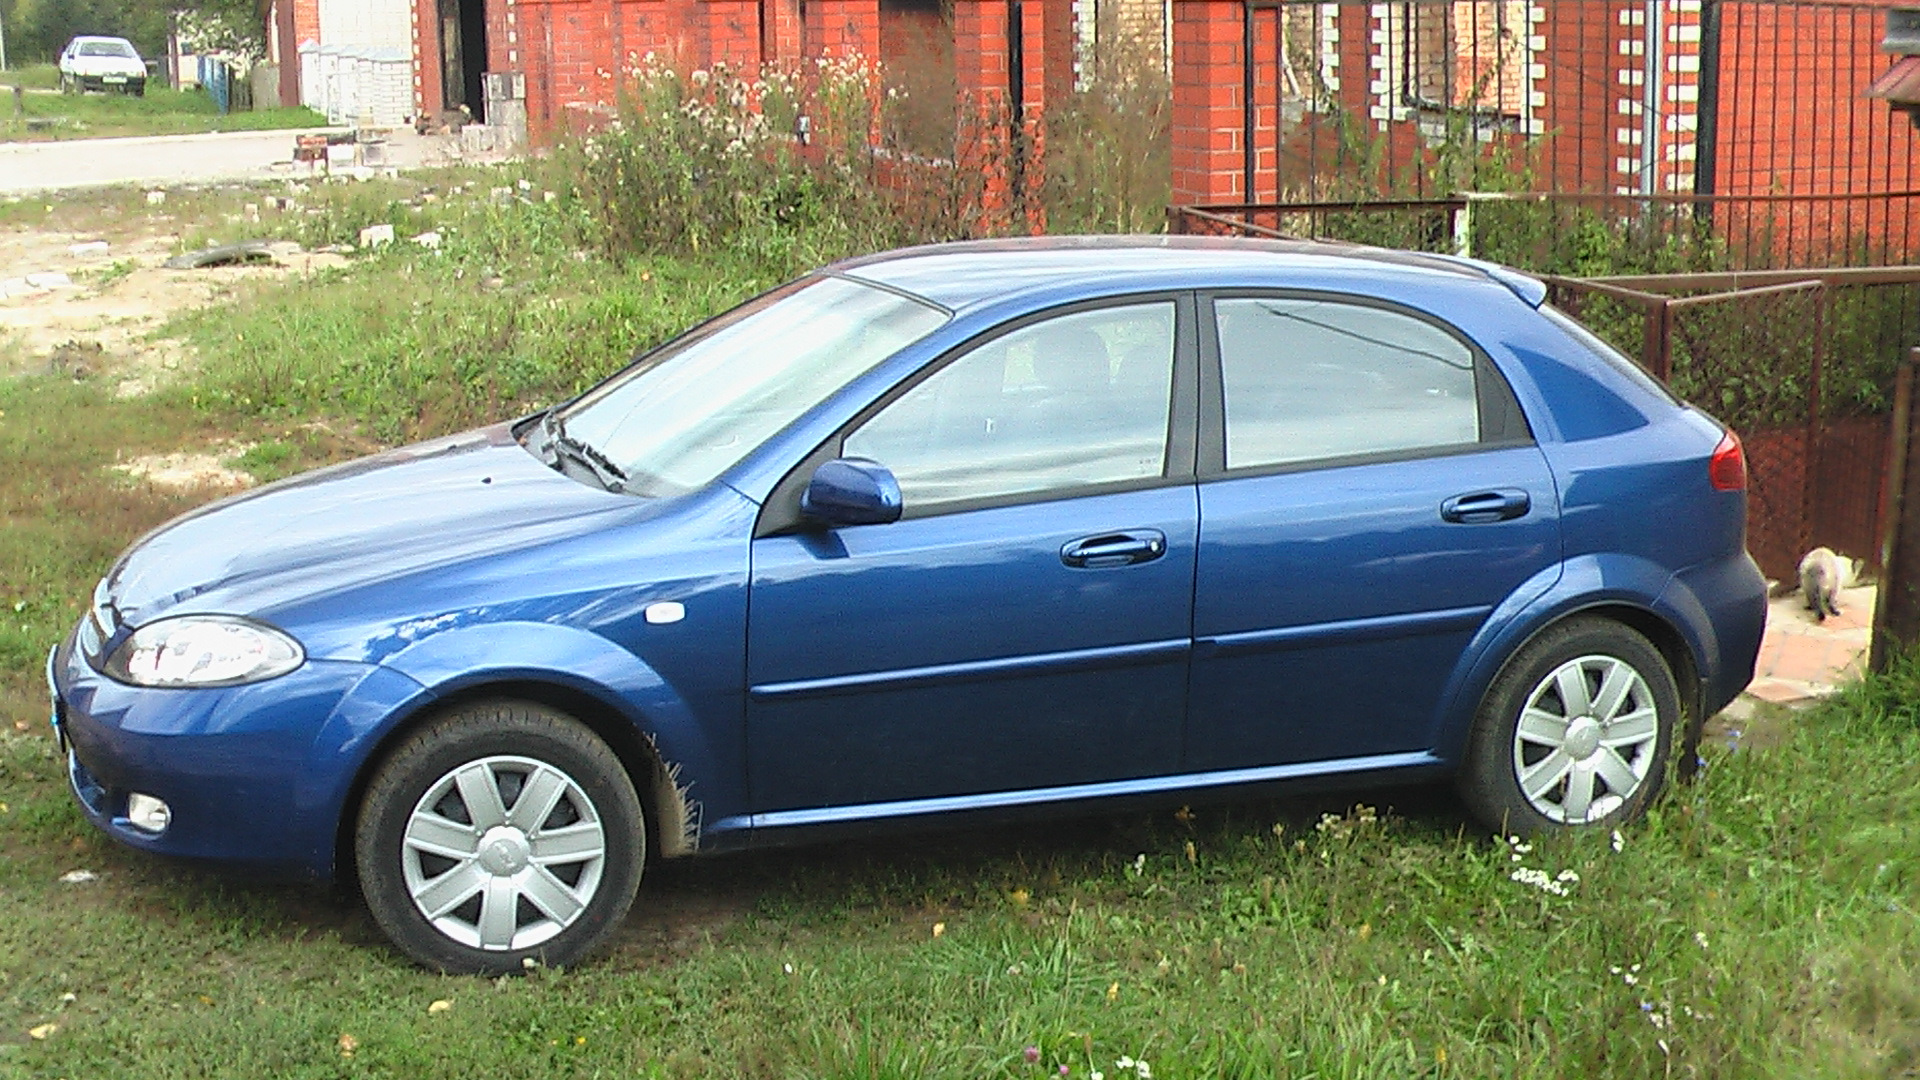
(1896, 615)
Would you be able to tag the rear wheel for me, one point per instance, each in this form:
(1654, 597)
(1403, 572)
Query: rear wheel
(1576, 731)
(500, 833)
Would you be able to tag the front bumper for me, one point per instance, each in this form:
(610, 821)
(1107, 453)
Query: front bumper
(242, 768)
(129, 83)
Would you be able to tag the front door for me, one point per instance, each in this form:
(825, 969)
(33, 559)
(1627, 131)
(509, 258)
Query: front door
(1026, 625)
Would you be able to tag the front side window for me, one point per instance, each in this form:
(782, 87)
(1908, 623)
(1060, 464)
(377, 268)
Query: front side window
(1308, 379)
(1071, 402)
(696, 406)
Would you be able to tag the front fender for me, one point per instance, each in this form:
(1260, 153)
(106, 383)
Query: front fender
(456, 660)
(1580, 583)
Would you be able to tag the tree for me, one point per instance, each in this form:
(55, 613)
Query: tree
(38, 29)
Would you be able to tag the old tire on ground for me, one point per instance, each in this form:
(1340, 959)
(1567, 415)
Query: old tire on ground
(1576, 731)
(499, 833)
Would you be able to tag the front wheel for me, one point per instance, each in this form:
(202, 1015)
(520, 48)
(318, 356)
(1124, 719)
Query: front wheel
(1576, 731)
(500, 833)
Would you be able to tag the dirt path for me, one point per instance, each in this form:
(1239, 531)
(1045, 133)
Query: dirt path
(70, 306)
(186, 159)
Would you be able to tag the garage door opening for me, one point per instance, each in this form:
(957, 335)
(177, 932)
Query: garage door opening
(463, 55)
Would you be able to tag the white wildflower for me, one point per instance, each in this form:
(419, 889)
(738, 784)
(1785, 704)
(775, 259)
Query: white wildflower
(1619, 842)
(1700, 938)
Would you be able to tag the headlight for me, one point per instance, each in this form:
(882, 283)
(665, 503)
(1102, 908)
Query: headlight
(203, 650)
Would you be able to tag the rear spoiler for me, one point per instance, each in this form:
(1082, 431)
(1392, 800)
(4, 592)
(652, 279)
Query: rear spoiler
(1528, 288)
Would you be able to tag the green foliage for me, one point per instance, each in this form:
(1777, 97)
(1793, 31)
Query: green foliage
(1109, 146)
(505, 315)
(37, 30)
(706, 162)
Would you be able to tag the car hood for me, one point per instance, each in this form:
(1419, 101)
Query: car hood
(362, 522)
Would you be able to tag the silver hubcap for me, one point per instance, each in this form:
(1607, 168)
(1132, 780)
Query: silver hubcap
(1586, 738)
(503, 853)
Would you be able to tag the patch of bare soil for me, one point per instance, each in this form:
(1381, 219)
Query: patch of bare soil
(189, 470)
(102, 322)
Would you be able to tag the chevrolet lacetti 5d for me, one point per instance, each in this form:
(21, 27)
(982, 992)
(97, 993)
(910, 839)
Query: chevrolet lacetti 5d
(953, 529)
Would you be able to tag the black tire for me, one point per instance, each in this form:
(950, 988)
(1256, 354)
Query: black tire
(1598, 753)
(138, 91)
(552, 755)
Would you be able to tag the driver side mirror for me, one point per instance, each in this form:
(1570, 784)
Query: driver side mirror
(852, 491)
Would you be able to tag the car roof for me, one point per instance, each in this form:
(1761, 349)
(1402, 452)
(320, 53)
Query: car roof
(969, 273)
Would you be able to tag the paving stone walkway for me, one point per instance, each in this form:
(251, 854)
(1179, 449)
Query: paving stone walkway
(1802, 660)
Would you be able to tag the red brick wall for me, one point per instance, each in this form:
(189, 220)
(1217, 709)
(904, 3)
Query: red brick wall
(842, 28)
(306, 21)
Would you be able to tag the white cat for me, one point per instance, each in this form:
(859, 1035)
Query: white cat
(1822, 574)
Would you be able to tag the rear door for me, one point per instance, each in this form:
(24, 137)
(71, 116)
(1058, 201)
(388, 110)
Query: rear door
(1369, 493)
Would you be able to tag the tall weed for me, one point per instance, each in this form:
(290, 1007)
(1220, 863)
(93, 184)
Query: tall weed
(781, 169)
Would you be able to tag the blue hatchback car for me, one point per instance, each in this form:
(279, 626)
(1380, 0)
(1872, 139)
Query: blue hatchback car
(980, 526)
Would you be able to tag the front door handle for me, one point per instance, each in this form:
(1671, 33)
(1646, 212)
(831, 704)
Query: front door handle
(1486, 507)
(1115, 549)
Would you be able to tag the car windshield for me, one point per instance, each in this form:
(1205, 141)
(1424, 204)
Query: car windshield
(108, 48)
(689, 410)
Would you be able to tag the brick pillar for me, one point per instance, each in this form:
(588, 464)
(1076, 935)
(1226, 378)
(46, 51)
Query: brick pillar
(1036, 17)
(1208, 160)
(1060, 41)
(1007, 157)
(982, 145)
(782, 41)
(288, 46)
(733, 34)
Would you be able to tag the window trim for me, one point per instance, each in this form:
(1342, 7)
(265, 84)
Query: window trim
(781, 515)
(1496, 408)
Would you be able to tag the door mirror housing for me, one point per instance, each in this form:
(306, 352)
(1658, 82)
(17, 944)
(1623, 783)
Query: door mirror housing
(852, 491)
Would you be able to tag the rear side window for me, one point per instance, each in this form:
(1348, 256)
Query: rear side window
(1308, 379)
(1616, 359)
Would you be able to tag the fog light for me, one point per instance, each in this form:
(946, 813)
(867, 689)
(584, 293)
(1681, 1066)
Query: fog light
(148, 814)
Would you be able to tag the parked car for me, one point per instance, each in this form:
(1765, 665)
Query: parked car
(102, 63)
(977, 527)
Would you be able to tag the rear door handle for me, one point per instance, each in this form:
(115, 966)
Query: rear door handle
(1486, 507)
(1115, 549)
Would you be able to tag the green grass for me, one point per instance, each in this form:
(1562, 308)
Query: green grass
(32, 76)
(510, 312)
(161, 111)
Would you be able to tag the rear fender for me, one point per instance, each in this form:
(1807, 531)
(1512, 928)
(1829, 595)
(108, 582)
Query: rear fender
(1582, 583)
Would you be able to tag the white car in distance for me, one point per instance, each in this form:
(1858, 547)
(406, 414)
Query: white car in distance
(102, 63)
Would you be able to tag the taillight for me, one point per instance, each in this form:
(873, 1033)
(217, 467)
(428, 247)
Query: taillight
(1727, 469)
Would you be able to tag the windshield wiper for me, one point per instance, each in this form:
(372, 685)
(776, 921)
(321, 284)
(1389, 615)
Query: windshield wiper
(562, 445)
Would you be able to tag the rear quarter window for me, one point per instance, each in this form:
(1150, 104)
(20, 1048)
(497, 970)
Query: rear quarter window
(1613, 357)
(1592, 388)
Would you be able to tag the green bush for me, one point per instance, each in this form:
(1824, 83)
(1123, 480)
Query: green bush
(709, 161)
